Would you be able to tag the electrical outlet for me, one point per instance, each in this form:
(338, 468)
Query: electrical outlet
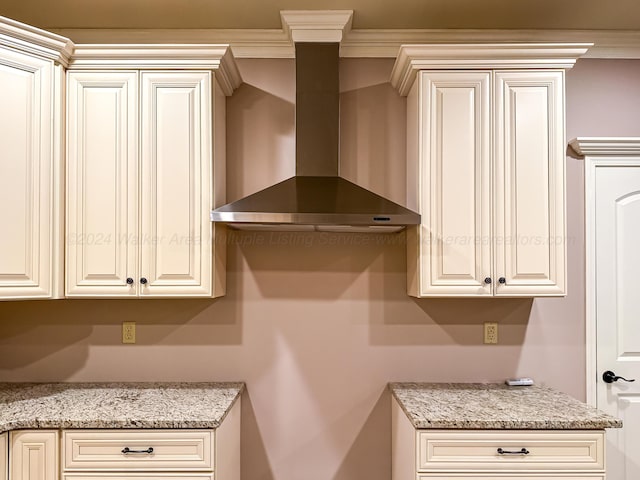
(128, 332)
(490, 332)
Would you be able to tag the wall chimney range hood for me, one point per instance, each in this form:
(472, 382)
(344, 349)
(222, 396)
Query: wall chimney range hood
(316, 198)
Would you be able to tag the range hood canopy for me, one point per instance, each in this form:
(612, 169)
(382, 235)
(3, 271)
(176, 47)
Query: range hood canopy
(316, 196)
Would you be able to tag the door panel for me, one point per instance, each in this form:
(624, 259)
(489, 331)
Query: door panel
(529, 186)
(456, 252)
(616, 217)
(34, 455)
(176, 183)
(102, 184)
(26, 189)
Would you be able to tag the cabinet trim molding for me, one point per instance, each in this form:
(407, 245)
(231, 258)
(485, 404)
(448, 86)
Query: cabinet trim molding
(413, 58)
(35, 41)
(606, 145)
(159, 57)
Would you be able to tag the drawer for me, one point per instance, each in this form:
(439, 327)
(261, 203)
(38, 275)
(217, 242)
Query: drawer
(446, 450)
(137, 476)
(501, 476)
(109, 450)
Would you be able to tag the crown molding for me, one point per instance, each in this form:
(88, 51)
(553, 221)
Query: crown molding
(379, 43)
(413, 58)
(316, 25)
(160, 56)
(35, 41)
(590, 146)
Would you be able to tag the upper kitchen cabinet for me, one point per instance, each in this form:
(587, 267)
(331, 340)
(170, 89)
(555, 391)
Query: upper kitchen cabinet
(145, 166)
(486, 167)
(32, 65)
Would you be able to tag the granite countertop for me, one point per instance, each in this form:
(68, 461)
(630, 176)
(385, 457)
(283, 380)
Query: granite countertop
(496, 406)
(115, 405)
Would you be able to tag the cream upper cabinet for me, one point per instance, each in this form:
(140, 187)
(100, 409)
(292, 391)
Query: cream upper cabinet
(485, 147)
(31, 78)
(144, 146)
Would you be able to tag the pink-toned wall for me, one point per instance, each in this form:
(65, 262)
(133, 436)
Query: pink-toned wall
(317, 324)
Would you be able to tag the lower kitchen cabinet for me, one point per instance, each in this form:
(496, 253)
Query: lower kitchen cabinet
(512, 477)
(34, 454)
(4, 456)
(466, 451)
(119, 454)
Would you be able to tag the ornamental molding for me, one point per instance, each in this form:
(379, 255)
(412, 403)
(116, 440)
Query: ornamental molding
(218, 58)
(374, 43)
(35, 41)
(606, 146)
(413, 58)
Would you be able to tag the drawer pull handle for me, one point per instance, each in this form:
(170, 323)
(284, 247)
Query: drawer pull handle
(522, 451)
(126, 450)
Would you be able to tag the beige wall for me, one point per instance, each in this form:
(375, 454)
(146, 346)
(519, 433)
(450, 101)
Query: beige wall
(315, 324)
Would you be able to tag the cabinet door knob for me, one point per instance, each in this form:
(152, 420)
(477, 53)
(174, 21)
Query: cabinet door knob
(502, 280)
(143, 281)
(487, 280)
(129, 281)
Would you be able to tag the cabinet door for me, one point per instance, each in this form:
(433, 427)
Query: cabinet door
(529, 185)
(4, 456)
(176, 183)
(27, 159)
(455, 246)
(34, 455)
(102, 184)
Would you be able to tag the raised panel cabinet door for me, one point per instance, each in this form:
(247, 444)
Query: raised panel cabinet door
(102, 184)
(4, 456)
(455, 239)
(34, 455)
(529, 183)
(176, 184)
(26, 175)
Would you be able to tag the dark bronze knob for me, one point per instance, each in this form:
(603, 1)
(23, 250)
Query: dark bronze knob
(129, 281)
(143, 281)
(502, 280)
(610, 377)
(487, 280)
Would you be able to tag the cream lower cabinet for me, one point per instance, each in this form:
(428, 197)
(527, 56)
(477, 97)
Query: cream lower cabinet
(486, 170)
(494, 454)
(4, 456)
(143, 151)
(143, 454)
(34, 455)
(31, 81)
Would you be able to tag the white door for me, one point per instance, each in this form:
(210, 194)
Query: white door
(176, 184)
(613, 296)
(102, 184)
(529, 183)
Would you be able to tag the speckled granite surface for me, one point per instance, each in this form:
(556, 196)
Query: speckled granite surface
(496, 406)
(115, 405)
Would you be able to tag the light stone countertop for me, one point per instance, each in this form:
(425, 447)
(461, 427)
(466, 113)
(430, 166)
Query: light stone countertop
(115, 405)
(496, 406)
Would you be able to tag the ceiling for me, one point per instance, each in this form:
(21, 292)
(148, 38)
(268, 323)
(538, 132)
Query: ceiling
(368, 14)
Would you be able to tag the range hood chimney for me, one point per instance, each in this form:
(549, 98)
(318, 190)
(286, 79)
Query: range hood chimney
(316, 198)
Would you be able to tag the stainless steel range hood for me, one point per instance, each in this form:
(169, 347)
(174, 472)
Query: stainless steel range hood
(316, 198)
